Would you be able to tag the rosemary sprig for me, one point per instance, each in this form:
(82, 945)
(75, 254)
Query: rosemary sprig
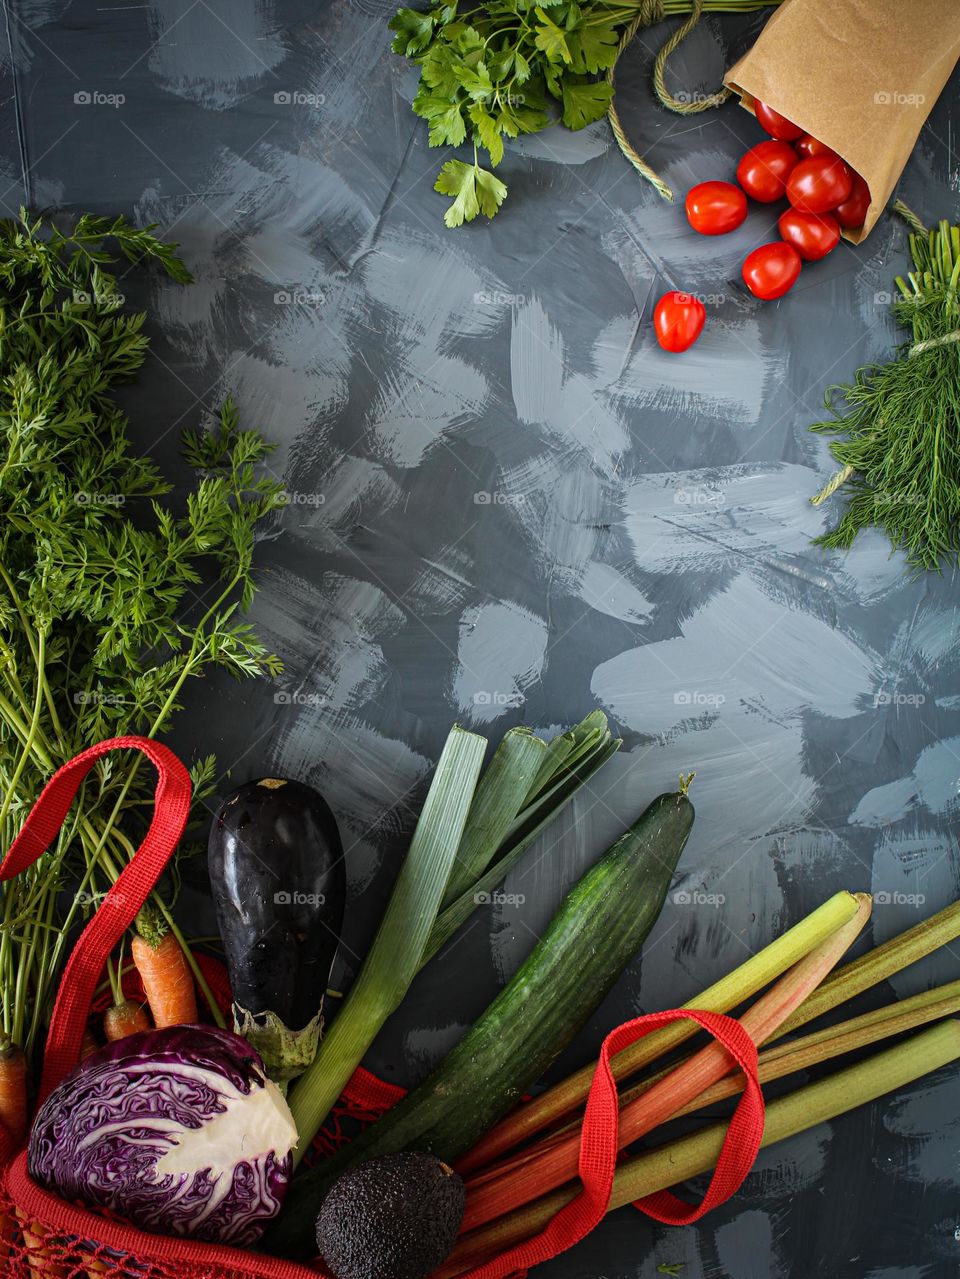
(111, 597)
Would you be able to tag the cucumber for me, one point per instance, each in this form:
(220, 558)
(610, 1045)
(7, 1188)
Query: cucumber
(598, 929)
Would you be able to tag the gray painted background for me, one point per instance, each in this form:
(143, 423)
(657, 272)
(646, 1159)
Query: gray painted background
(509, 506)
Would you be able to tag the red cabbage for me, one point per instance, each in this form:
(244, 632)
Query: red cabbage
(177, 1130)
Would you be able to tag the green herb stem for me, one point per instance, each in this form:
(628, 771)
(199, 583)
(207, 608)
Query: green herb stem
(97, 575)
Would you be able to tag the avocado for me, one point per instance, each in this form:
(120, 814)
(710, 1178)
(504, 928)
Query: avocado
(391, 1218)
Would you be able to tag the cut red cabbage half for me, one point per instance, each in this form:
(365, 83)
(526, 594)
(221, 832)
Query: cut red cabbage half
(178, 1130)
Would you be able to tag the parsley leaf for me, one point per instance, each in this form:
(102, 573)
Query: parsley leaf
(585, 101)
(475, 190)
(488, 131)
(459, 180)
(414, 31)
(491, 192)
(447, 127)
(476, 81)
(593, 48)
(551, 40)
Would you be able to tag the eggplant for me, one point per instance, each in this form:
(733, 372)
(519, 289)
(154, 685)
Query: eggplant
(279, 885)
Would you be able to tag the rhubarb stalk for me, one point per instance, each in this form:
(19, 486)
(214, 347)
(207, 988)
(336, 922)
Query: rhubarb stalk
(690, 1156)
(758, 971)
(877, 965)
(554, 1162)
(845, 1037)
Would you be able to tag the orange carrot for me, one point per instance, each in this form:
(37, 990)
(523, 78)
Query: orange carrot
(89, 1044)
(123, 1019)
(13, 1092)
(167, 980)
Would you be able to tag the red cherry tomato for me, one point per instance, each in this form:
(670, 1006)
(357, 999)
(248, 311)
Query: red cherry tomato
(813, 235)
(714, 208)
(853, 210)
(771, 270)
(819, 184)
(777, 125)
(764, 170)
(678, 319)
(808, 146)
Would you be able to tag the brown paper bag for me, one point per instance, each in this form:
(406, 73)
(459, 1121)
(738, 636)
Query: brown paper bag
(860, 75)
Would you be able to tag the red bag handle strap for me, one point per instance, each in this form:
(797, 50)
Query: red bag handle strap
(598, 1147)
(120, 906)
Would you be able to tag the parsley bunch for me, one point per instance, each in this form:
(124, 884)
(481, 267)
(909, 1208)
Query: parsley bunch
(493, 71)
(112, 598)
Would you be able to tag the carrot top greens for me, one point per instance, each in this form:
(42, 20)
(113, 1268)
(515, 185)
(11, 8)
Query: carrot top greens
(112, 595)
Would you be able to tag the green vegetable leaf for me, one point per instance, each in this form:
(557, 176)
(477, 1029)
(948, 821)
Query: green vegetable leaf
(469, 39)
(414, 31)
(491, 192)
(488, 131)
(584, 101)
(475, 190)
(447, 128)
(522, 118)
(459, 180)
(439, 70)
(476, 80)
(431, 105)
(492, 72)
(593, 48)
(551, 40)
(553, 80)
(102, 617)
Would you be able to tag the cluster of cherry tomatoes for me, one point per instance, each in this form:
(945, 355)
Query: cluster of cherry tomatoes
(823, 192)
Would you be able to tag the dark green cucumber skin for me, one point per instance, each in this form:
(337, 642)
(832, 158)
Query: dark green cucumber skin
(598, 929)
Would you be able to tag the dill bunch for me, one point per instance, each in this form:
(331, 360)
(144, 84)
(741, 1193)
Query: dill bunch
(900, 421)
(112, 598)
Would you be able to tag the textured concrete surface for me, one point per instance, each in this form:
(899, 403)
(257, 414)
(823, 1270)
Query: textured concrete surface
(508, 506)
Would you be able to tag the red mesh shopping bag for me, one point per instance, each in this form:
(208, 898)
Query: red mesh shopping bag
(44, 1237)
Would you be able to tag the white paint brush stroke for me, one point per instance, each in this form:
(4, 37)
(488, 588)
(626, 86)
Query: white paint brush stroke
(501, 653)
(549, 394)
(608, 591)
(212, 53)
(719, 517)
(741, 642)
(933, 785)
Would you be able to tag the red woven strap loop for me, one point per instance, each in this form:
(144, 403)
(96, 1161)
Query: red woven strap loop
(120, 906)
(599, 1145)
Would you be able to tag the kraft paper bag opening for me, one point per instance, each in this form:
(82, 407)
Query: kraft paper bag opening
(860, 75)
